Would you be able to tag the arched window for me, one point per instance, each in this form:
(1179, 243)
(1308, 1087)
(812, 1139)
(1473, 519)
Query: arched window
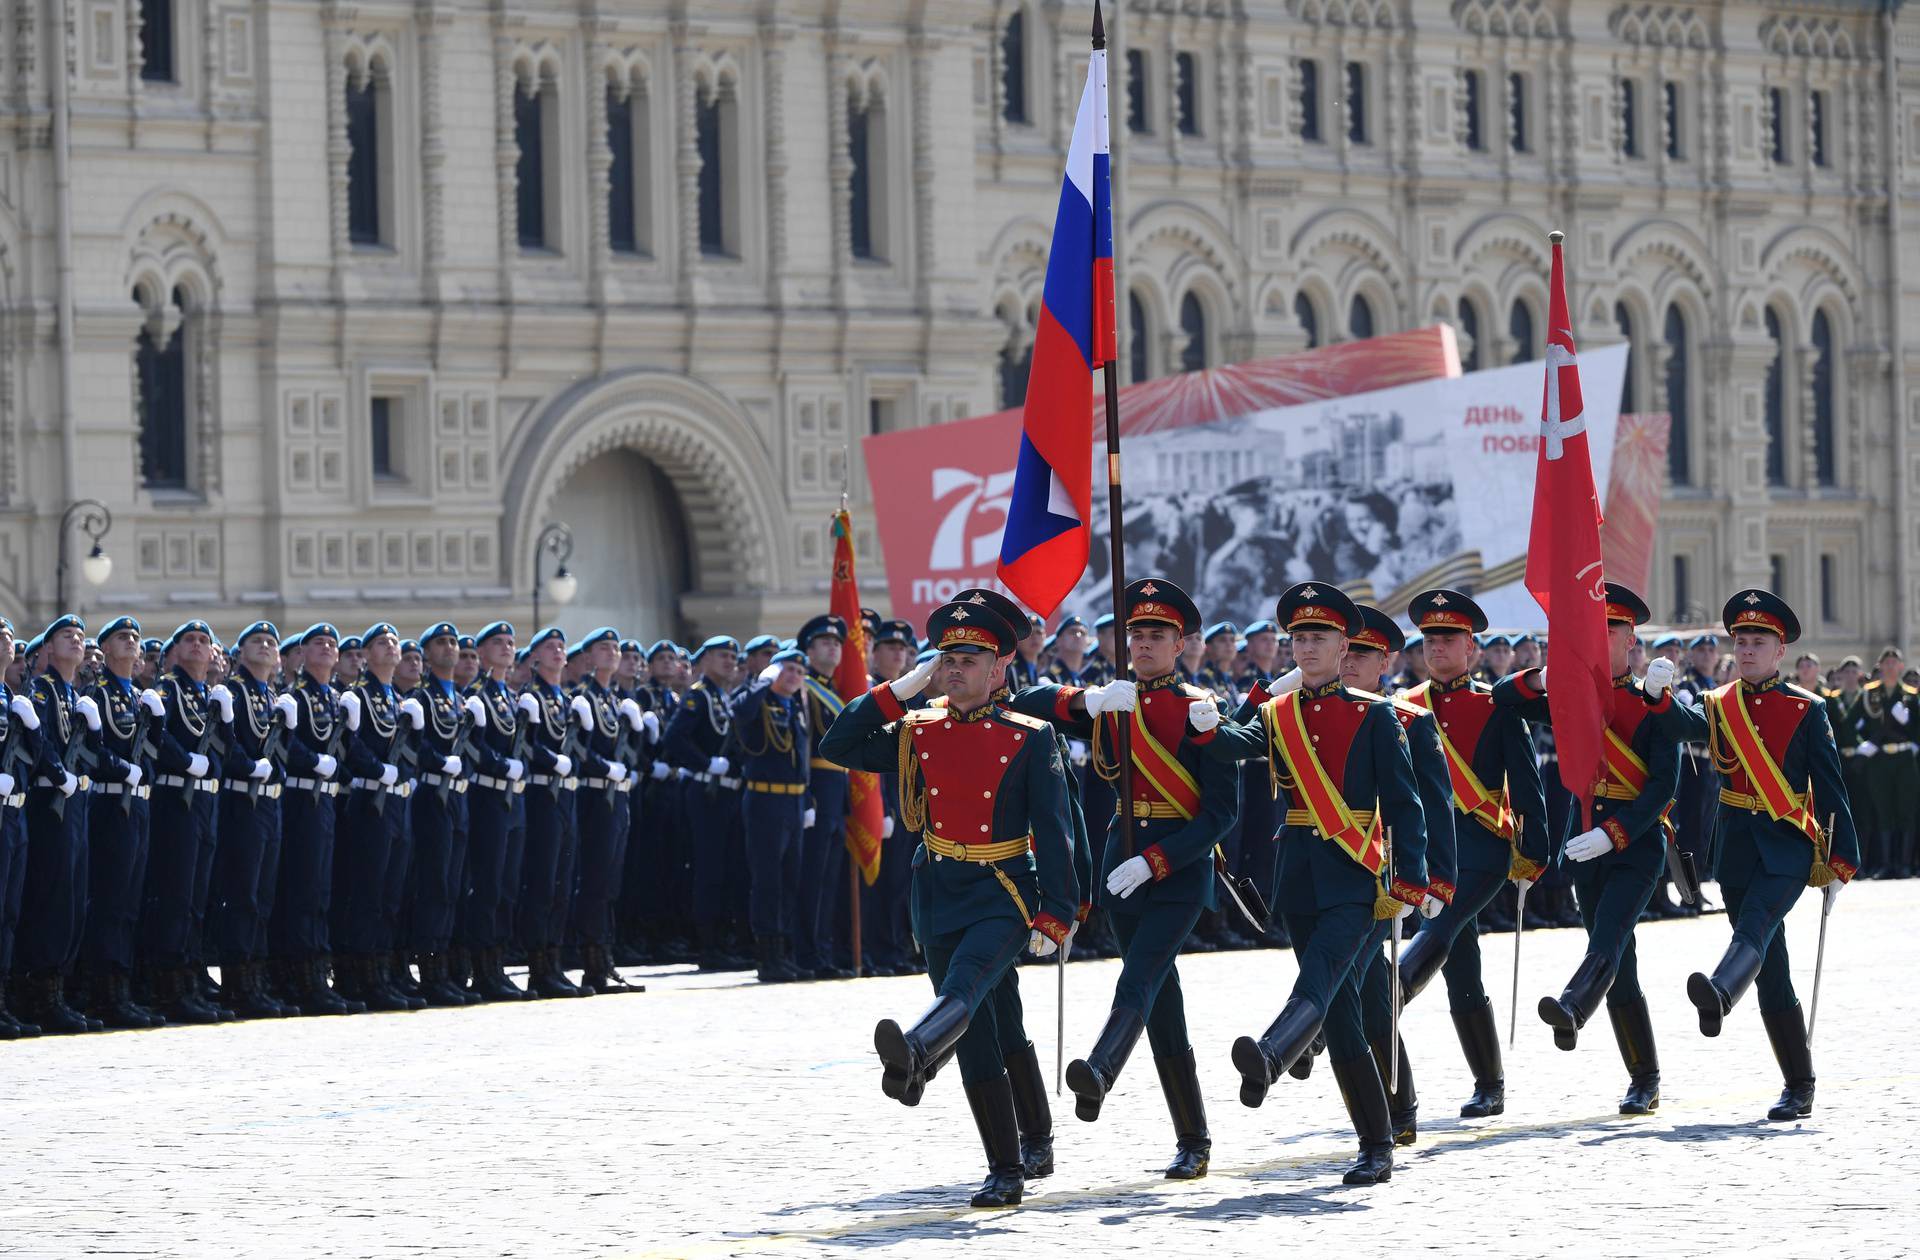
(716, 125)
(369, 110)
(1193, 322)
(536, 124)
(1186, 93)
(1679, 461)
(1520, 328)
(156, 41)
(867, 189)
(1360, 318)
(1469, 323)
(1629, 390)
(1013, 68)
(1824, 471)
(1015, 360)
(1476, 134)
(629, 140)
(1137, 92)
(160, 375)
(1310, 100)
(1776, 403)
(1307, 318)
(1139, 344)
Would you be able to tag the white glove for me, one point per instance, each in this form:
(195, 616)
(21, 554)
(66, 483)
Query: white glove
(132, 780)
(1040, 945)
(631, 711)
(1829, 895)
(1521, 885)
(562, 765)
(261, 769)
(1204, 714)
(222, 700)
(415, 714)
(288, 709)
(1900, 712)
(198, 765)
(325, 767)
(617, 772)
(1589, 845)
(1118, 696)
(151, 701)
(1404, 911)
(806, 820)
(516, 769)
(1659, 677)
(1431, 905)
(1128, 876)
(651, 721)
(768, 674)
(662, 772)
(1543, 678)
(582, 710)
(719, 766)
(23, 709)
(68, 784)
(350, 705)
(914, 681)
(1868, 748)
(389, 774)
(529, 705)
(1289, 681)
(88, 710)
(450, 766)
(476, 709)
(6, 784)
(681, 774)
(886, 827)
(1077, 750)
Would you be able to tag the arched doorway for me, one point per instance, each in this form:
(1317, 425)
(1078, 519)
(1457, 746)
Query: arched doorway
(630, 547)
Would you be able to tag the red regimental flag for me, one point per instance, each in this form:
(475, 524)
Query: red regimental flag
(865, 809)
(1564, 570)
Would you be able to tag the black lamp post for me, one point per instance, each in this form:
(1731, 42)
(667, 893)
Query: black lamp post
(94, 519)
(555, 540)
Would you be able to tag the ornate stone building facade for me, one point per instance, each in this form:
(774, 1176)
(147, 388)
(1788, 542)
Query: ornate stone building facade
(336, 305)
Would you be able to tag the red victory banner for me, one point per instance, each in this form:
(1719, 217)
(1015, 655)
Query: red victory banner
(865, 810)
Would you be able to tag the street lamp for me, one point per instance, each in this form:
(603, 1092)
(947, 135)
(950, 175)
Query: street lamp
(555, 540)
(93, 518)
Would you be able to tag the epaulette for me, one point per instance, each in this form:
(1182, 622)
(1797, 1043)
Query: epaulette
(920, 717)
(1872, 686)
(1798, 692)
(1021, 719)
(1192, 692)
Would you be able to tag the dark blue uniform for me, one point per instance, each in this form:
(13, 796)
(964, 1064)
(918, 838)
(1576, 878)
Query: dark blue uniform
(823, 860)
(247, 865)
(19, 750)
(699, 731)
(497, 832)
(376, 824)
(546, 879)
(184, 814)
(117, 843)
(437, 871)
(300, 938)
(54, 907)
(601, 806)
(776, 739)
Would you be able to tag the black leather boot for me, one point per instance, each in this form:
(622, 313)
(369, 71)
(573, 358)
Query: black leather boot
(371, 985)
(1366, 1100)
(772, 968)
(1032, 1111)
(180, 999)
(110, 1002)
(545, 976)
(992, 1104)
(401, 980)
(1569, 1013)
(1303, 1066)
(1420, 962)
(490, 974)
(12, 1027)
(1480, 1042)
(1286, 1039)
(1714, 997)
(435, 986)
(1403, 1105)
(1633, 1032)
(905, 1056)
(1180, 1082)
(1090, 1078)
(315, 996)
(50, 1009)
(1787, 1030)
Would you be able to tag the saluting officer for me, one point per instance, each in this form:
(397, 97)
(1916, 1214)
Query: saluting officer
(437, 876)
(377, 819)
(247, 868)
(1500, 831)
(770, 722)
(699, 739)
(606, 781)
(117, 834)
(546, 883)
(1352, 853)
(300, 938)
(1785, 824)
(985, 788)
(1619, 860)
(19, 749)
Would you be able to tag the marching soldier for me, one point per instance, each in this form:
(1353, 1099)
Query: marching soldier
(1847, 710)
(19, 749)
(1362, 671)
(300, 940)
(822, 857)
(699, 740)
(1499, 830)
(1779, 773)
(601, 803)
(1888, 741)
(247, 868)
(1352, 853)
(117, 835)
(377, 821)
(1622, 856)
(437, 870)
(985, 788)
(53, 912)
(771, 721)
(546, 883)
(496, 817)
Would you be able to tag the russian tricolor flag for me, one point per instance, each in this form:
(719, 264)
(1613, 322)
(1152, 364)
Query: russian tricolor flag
(1044, 550)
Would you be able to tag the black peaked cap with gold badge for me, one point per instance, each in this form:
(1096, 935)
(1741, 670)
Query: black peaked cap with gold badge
(970, 628)
(1445, 610)
(1156, 601)
(1755, 609)
(1317, 606)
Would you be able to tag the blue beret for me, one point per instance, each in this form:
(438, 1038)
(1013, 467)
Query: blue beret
(409, 645)
(759, 641)
(605, 634)
(662, 647)
(188, 627)
(439, 630)
(292, 641)
(1217, 629)
(715, 644)
(1262, 626)
(574, 650)
(1071, 619)
(258, 627)
(552, 634)
(352, 643)
(377, 629)
(321, 630)
(491, 629)
(146, 645)
(467, 642)
(1704, 640)
(117, 625)
(1416, 639)
(71, 621)
(520, 656)
(33, 645)
(1667, 640)
(1103, 621)
(1046, 644)
(1239, 645)
(7, 623)
(785, 655)
(629, 645)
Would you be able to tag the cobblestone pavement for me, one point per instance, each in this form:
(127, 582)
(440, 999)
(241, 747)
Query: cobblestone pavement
(710, 1117)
